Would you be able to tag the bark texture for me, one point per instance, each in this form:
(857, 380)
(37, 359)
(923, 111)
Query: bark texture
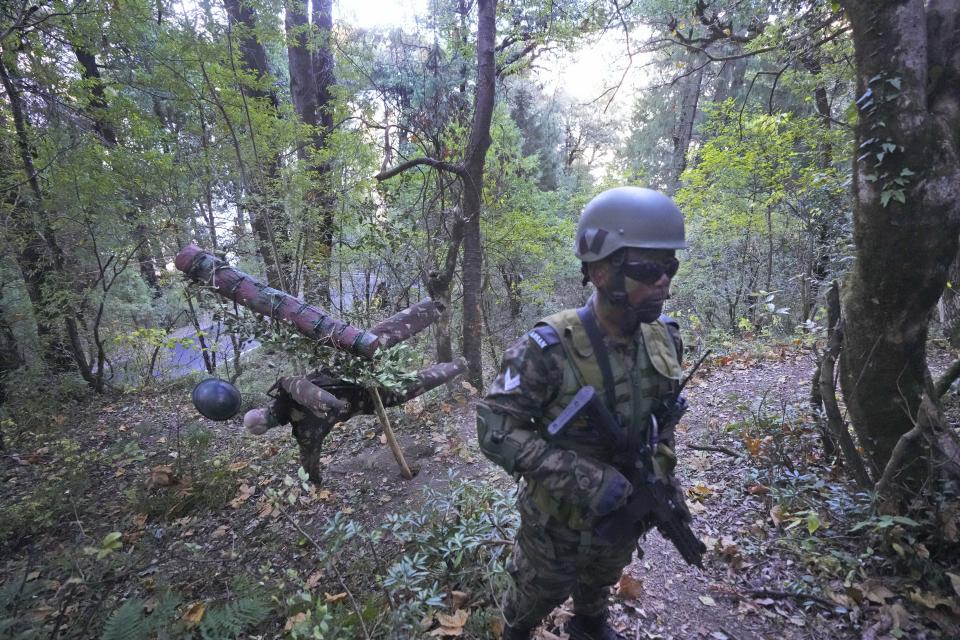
(265, 213)
(683, 128)
(311, 64)
(473, 165)
(908, 79)
(39, 255)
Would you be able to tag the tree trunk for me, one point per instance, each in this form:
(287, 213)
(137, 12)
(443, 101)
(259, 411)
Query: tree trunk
(438, 286)
(267, 221)
(39, 256)
(906, 192)
(823, 228)
(473, 189)
(311, 64)
(683, 128)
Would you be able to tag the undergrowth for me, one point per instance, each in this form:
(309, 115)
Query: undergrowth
(451, 557)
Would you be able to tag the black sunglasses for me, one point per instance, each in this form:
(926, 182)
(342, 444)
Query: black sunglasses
(649, 272)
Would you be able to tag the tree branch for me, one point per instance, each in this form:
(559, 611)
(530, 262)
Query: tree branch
(942, 385)
(439, 165)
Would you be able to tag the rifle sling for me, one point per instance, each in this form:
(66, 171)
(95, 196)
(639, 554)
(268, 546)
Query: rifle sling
(589, 322)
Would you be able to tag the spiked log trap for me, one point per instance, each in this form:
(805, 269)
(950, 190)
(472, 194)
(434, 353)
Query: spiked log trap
(313, 404)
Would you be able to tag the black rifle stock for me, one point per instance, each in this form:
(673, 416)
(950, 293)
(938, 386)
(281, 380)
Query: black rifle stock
(653, 502)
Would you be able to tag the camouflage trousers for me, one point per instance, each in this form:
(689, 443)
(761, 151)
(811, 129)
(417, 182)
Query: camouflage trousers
(551, 562)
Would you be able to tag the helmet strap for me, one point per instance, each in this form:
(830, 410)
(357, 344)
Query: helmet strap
(618, 292)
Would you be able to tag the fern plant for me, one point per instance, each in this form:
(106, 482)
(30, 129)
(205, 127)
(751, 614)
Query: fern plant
(225, 622)
(14, 593)
(220, 622)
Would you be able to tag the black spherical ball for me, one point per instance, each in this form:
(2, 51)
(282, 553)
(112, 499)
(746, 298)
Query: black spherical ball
(216, 399)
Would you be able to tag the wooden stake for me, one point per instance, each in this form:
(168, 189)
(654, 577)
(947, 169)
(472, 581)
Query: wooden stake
(388, 432)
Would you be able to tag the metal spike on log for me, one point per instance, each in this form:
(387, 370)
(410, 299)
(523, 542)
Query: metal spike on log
(313, 322)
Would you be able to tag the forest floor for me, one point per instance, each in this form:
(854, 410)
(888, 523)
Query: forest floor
(127, 499)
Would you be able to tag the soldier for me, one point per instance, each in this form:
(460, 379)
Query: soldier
(619, 343)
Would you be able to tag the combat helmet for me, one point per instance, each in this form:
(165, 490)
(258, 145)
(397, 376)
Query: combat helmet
(216, 399)
(628, 217)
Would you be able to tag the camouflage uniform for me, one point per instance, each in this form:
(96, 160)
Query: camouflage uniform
(555, 554)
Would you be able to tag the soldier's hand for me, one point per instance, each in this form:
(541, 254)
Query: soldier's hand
(613, 492)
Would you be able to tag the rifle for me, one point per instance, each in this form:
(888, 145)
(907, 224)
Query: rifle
(653, 502)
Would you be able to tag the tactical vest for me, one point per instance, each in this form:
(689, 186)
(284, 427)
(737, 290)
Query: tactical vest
(638, 389)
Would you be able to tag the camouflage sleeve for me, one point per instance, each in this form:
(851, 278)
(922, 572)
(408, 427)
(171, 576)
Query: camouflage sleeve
(530, 377)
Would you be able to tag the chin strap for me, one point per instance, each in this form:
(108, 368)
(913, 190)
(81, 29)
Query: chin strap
(618, 292)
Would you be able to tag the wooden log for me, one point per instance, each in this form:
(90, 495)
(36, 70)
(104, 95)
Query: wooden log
(245, 290)
(317, 401)
(407, 323)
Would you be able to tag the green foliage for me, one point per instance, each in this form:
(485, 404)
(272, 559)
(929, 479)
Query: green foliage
(229, 619)
(134, 620)
(458, 541)
(45, 504)
(15, 597)
(197, 482)
(129, 622)
(760, 181)
(141, 353)
(389, 368)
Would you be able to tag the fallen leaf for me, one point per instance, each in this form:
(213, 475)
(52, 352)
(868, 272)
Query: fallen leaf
(777, 514)
(451, 625)
(161, 476)
(458, 599)
(753, 445)
(758, 490)
(336, 597)
(219, 532)
(314, 579)
(243, 494)
(950, 519)
(237, 466)
(629, 588)
(294, 621)
(457, 619)
(194, 613)
(930, 600)
(33, 575)
(876, 592)
(708, 601)
(346, 511)
(383, 438)
(41, 613)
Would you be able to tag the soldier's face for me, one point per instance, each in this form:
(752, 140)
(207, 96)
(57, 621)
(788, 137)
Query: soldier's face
(647, 296)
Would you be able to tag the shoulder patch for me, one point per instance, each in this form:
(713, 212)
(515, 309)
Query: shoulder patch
(544, 336)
